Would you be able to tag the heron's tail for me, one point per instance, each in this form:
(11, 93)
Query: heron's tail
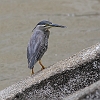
(31, 63)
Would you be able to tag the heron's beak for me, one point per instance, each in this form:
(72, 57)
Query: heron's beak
(56, 25)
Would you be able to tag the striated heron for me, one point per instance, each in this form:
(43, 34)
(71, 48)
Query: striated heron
(38, 43)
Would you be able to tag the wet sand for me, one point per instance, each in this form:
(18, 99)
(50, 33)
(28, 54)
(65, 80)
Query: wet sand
(18, 18)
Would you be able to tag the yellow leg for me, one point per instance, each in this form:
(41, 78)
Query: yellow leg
(32, 72)
(41, 65)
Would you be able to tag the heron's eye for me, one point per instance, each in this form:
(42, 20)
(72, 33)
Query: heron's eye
(45, 25)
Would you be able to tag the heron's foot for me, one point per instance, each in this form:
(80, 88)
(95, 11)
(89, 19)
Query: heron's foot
(42, 68)
(41, 65)
(32, 72)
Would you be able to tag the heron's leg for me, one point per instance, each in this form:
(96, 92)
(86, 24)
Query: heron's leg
(41, 65)
(32, 72)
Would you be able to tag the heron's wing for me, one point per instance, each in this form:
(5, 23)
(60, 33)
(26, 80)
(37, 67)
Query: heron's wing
(35, 48)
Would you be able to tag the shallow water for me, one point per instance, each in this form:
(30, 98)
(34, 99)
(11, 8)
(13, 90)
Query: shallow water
(18, 18)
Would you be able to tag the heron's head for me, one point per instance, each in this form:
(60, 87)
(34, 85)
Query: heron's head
(45, 25)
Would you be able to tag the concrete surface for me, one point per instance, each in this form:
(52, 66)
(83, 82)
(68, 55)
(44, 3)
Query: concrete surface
(91, 92)
(59, 80)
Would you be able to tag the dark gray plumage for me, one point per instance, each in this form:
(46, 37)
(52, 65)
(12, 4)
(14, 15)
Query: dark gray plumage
(38, 43)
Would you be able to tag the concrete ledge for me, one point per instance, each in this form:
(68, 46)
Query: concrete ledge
(59, 80)
(86, 93)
